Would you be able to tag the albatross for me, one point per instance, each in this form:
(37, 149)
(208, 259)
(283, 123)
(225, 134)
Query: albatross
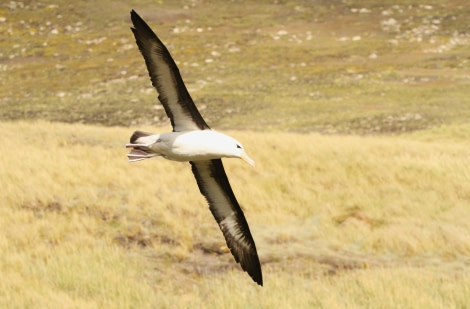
(192, 140)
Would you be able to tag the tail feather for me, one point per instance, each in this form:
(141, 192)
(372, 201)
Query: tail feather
(137, 135)
(140, 143)
(137, 154)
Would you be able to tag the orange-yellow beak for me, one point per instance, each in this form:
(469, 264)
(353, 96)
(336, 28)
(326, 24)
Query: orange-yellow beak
(247, 159)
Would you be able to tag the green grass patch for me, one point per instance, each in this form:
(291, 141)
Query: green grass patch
(331, 67)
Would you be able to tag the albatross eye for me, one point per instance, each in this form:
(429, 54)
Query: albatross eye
(238, 146)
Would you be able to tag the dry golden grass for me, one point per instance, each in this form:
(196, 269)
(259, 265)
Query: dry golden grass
(339, 221)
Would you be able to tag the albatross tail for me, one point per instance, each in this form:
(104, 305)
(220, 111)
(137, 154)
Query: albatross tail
(140, 143)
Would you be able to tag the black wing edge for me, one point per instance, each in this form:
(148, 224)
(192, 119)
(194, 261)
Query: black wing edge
(247, 257)
(142, 31)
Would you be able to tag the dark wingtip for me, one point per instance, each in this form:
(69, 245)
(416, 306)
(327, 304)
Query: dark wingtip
(250, 263)
(135, 18)
(142, 30)
(134, 13)
(259, 277)
(255, 271)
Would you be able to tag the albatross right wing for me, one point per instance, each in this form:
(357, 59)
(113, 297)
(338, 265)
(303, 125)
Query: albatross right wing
(166, 78)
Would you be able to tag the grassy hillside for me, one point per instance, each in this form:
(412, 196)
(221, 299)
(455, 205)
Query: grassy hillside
(339, 221)
(356, 113)
(327, 66)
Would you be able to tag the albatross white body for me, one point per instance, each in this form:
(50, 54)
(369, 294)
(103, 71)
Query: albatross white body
(187, 146)
(193, 140)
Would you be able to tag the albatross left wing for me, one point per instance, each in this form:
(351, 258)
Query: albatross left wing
(214, 185)
(166, 78)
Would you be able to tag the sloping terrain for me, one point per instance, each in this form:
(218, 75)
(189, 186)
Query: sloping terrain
(356, 113)
(326, 66)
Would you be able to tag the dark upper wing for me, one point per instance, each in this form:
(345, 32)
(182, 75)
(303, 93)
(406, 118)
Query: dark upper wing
(166, 78)
(214, 185)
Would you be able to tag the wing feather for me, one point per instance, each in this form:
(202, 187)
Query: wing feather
(214, 185)
(166, 78)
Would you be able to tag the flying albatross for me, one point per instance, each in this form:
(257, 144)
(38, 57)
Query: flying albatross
(193, 140)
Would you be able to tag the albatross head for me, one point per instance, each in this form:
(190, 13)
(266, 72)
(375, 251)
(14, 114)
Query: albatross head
(242, 155)
(229, 147)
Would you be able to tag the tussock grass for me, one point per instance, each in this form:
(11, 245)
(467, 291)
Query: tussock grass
(339, 221)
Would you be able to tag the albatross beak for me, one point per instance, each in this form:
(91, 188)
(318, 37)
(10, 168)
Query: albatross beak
(247, 159)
